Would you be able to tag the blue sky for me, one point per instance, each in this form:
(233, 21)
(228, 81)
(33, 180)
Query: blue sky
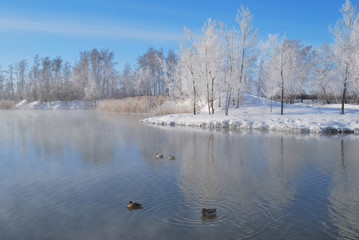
(64, 28)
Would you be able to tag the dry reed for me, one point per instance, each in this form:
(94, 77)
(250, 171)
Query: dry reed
(154, 105)
(6, 104)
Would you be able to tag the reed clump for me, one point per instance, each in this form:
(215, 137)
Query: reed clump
(154, 105)
(6, 104)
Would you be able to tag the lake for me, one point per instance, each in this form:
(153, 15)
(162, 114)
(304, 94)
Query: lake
(70, 174)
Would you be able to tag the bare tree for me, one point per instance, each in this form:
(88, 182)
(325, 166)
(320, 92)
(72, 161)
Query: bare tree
(10, 86)
(152, 60)
(20, 70)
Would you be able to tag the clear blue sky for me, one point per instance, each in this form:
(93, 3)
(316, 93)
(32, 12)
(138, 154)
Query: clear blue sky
(64, 28)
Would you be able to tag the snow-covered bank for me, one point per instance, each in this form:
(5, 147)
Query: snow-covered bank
(254, 113)
(57, 105)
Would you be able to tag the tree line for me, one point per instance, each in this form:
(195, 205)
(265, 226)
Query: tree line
(214, 67)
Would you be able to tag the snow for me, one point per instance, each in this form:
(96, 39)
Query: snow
(57, 105)
(254, 114)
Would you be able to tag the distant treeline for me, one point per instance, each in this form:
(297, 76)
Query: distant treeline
(214, 66)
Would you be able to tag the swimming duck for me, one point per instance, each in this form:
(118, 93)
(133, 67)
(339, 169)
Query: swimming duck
(170, 157)
(158, 155)
(133, 205)
(208, 212)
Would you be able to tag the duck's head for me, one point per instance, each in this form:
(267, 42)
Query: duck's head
(129, 202)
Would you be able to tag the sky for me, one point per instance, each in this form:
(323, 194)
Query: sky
(128, 28)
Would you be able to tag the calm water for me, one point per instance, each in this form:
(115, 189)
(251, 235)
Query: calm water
(69, 175)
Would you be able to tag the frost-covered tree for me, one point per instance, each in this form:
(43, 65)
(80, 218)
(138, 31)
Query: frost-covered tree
(286, 68)
(92, 91)
(209, 49)
(20, 70)
(67, 74)
(323, 73)
(274, 68)
(34, 80)
(127, 84)
(260, 71)
(169, 65)
(231, 63)
(345, 47)
(247, 38)
(108, 74)
(152, 60)
(143, 78)
(188, 67)
(95, 66)
(80, 76)
(2, 84)
(10, 85)
(298, 68)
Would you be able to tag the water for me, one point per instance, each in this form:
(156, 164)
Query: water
(70, 174)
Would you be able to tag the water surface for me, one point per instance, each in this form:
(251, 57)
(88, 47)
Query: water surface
(69, 175)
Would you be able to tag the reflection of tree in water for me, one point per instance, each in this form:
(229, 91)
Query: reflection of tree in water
(344, 196)
(234, 169)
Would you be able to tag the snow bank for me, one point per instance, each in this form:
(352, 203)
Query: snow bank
(58, 105)
(254, 114)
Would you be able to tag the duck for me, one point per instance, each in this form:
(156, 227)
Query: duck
(171, 157)
(134, 205)
(208, 212)
(159, 155)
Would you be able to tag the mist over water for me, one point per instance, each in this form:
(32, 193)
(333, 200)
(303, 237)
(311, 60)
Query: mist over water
(70, 174)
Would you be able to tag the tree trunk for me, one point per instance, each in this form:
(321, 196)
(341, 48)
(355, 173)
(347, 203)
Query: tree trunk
(228, 101)
(282, 95)
(194, 98)
(344, 89)
(219, 99)
(238, 96)
(241, 72)
(212, 97)
(208, 100)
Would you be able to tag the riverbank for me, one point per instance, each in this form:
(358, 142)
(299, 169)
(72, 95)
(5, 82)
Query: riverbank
(254, 114)
(56, 105)
(152, 105)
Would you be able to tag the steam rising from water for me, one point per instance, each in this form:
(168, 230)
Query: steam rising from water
(70, 174)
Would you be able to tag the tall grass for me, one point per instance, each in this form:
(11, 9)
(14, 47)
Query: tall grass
(154, 105)
(6, 104)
